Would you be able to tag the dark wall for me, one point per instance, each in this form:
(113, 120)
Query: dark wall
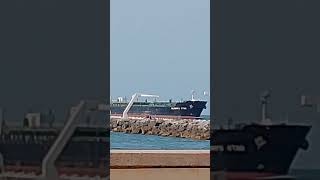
(52, 53)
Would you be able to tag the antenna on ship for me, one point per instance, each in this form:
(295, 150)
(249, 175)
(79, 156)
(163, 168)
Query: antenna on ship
(51, 117)
(192, 95)
(264, 101)
(311, 101)
(206, 95)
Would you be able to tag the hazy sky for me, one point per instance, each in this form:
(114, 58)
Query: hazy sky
(160, 47)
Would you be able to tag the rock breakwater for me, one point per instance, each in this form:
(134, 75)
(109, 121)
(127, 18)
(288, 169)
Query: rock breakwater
(186, 128)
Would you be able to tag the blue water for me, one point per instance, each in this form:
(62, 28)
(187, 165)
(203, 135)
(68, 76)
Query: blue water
(206, 117)
(121, 140)
(305, 174)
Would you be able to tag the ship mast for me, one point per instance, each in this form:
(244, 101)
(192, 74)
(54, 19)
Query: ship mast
(264, 101)
(310, 101)
(193, 92)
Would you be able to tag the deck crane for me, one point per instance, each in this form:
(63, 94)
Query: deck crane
(133, 98)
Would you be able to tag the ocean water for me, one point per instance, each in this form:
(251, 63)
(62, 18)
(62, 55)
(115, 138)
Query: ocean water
(119, 140)
(206, 117)
(305, 174)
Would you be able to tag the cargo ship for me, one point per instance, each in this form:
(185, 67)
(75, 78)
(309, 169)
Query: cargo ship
(79, 148)
(160, 109)
(257, 150)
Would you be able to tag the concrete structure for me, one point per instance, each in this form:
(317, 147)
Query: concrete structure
(160, 164)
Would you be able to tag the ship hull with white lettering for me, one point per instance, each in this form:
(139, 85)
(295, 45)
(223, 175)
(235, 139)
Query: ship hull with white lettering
(185, 109)
(254, 151)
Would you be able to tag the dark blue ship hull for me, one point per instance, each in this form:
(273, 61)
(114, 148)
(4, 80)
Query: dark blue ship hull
(179, 109)
(256, 150)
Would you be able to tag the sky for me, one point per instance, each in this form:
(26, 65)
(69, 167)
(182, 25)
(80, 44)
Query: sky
(160, 47)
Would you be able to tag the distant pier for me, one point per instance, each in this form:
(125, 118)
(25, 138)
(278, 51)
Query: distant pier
(185, 128)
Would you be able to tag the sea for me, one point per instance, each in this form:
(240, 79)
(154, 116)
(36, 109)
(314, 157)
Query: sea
(305, 174)
(119, 140)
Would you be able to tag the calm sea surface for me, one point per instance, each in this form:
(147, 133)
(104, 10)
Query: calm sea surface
(306, 174)
(121, 140)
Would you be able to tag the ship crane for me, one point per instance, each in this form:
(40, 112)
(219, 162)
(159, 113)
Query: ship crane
(49, 171)
(133, 98)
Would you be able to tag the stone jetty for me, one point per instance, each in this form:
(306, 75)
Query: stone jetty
(185, 128)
